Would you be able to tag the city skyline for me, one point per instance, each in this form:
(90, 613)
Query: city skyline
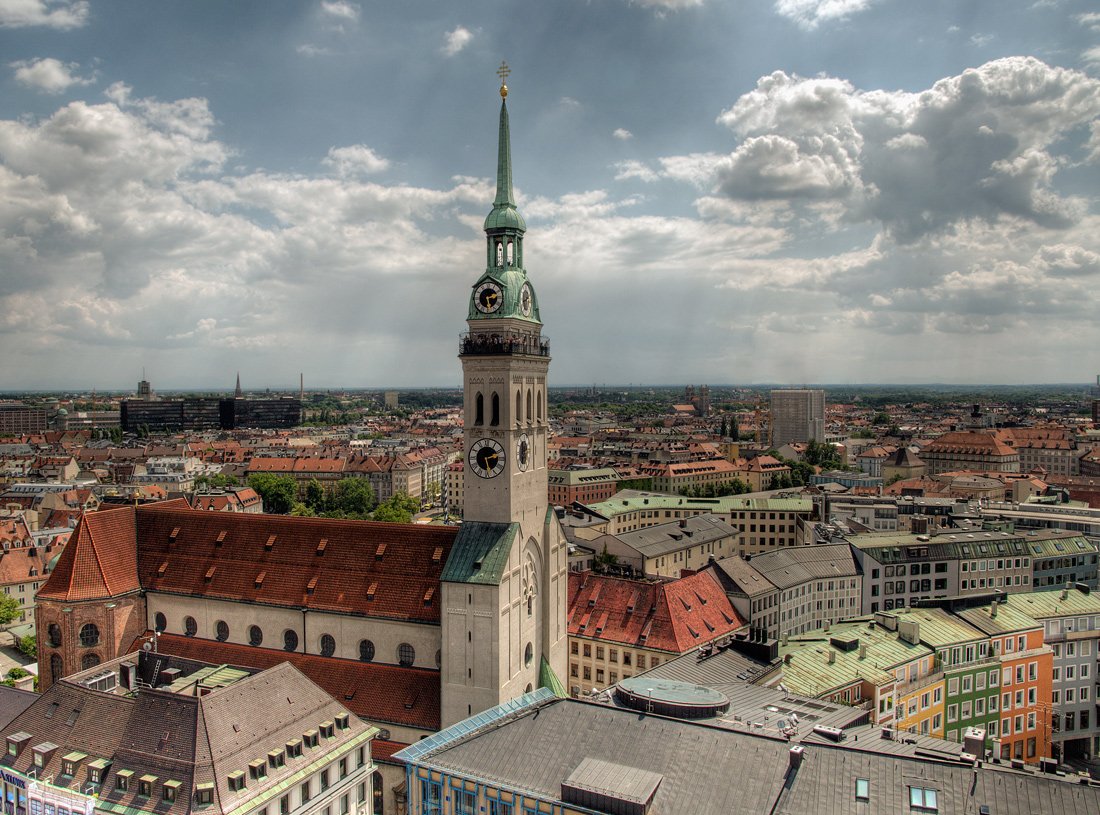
(787, 193)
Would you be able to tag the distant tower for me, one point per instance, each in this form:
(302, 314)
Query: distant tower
(797, 415)
(144, 390)
(238, 393)
(504, 610)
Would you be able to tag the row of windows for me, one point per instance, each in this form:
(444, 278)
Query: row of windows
(406, 654)
(613, 655)
(89, 635)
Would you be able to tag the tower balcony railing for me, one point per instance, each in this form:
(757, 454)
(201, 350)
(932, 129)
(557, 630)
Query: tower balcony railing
(503, 344)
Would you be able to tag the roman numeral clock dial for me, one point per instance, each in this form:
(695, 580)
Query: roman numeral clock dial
(486, 458)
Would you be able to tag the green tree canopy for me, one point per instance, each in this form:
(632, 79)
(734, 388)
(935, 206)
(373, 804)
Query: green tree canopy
(397, 510)
(277, 491)
(354, 497)
(9, 609)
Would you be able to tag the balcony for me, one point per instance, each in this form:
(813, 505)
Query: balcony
(503, 345)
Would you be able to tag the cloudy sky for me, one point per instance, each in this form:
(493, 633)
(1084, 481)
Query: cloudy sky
(781, 191)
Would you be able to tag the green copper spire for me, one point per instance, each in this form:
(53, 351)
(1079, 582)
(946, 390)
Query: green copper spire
(505, 196)
(504, 214)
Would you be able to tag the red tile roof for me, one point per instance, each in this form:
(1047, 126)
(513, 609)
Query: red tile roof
(299, 573)
(100, 560)
(383, 751)
(675, 616)
(371, 690)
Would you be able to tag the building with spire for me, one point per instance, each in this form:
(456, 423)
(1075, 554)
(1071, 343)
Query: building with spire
(505, 586)
(412, 628)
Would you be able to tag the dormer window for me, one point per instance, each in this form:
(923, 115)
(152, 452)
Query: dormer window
(343, 721)
(16, 743)
(294, 748)
(257, 769)
(310, 738)
(327, 729)
(71, 762)
(43, 753)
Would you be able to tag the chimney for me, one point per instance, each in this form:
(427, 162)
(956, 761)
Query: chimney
(832, 656)
(863, 651)
(796, 757)
(683, 523)
(993, 609)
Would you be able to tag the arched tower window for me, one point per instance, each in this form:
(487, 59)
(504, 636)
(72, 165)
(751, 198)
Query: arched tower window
(519, 407)
(500, 254)
(496, 410)
(530, 412)
(89, 635)
(511, 256)
(540, 405)
(479, 409)
(53, 633)
(88, 661)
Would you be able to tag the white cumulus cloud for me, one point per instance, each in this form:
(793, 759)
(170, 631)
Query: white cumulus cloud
(622, 134)
(811, 13)
(48, 74)
(456, 39)
(356, 159)
(60, 14)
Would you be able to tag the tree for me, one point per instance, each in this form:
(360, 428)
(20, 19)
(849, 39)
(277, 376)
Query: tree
(397, 510)
(277, 491)
(604, 561)
(301, 510)
(315, 496)
(27, 646)
(9, 609)
(354, 498)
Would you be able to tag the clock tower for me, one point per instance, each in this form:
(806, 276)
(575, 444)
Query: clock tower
(504, 588)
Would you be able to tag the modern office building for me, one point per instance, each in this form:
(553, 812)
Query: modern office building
(797, 415)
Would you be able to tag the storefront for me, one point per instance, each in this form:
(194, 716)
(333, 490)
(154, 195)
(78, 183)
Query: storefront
(29, 796)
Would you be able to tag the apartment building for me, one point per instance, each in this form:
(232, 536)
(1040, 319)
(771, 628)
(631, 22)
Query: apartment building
(619, 628)
(792, 591)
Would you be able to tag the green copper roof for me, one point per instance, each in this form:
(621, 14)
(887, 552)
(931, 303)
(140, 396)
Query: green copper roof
(549, 680)
(504, 214)
(480, 553)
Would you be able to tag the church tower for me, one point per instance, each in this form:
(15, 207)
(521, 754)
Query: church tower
(504, 589)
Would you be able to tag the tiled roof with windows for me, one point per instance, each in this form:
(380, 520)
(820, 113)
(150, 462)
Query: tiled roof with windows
(673, 616)
(387, 694)
(176, 738)
(353, 567)
(100, 560)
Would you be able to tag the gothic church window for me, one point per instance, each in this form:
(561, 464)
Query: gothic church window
(479, 409)
(496, 410)
(57, 669)
(54, 634)
(88, 661)
(89, 635)
(328, 645)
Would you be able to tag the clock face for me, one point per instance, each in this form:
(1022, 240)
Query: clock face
(523, 453)
(488, 297)
(486, 458)
(525, 300)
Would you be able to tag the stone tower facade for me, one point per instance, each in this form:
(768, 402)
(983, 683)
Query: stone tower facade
(504, 590)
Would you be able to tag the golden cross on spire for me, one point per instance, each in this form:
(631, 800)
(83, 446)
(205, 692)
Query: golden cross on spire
(503, 71)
